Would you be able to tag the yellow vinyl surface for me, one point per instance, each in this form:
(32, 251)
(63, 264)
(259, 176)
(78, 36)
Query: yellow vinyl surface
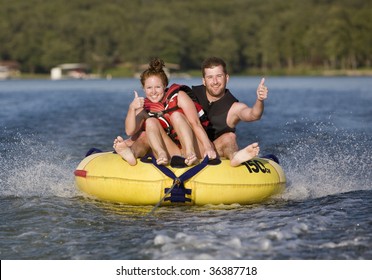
(110, 178)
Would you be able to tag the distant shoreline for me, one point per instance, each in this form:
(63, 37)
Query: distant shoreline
(253, 72)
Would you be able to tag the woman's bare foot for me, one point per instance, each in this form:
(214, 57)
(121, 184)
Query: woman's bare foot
(245, 154)
(124, 151)
(191, 160)
(162, 159)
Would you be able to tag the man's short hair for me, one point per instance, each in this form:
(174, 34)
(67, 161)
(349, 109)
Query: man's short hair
(211, 62)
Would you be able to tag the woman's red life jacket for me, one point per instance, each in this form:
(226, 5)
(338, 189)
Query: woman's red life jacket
(169, 104)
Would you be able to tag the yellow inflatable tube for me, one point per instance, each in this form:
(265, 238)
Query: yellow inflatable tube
(106, 176)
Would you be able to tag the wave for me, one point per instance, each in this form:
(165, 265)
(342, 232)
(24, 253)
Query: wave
(321, 159)
(318, 158)
(31, 167)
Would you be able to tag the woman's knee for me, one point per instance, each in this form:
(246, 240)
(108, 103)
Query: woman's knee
(177, 117)
(152, 123)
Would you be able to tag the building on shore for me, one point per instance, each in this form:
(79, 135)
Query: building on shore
(71, 71)
(9, 70)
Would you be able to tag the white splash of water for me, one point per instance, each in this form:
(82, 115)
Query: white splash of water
(32, 168)
(323, 160)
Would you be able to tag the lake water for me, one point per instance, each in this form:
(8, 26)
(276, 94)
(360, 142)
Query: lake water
(319, 127)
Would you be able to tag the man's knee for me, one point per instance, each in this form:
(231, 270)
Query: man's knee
(226, 145)
(227, 138)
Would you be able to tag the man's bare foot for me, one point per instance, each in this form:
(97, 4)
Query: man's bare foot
(191, 160)
(162, 159)
(124, 151)
(245, 154)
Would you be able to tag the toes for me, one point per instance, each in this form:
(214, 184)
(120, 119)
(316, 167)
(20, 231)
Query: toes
(191, 159)
(162, 161)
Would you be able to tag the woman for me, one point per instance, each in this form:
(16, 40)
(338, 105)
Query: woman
(169, 118)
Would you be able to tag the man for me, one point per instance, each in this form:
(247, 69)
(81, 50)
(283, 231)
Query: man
(224, 111)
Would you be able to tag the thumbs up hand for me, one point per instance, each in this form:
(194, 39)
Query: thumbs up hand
(262, 90)
(137, 102)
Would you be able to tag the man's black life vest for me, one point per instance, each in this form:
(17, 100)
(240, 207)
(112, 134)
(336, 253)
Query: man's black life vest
(216, 111)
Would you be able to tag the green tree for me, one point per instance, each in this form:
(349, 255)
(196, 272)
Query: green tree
(270, 34)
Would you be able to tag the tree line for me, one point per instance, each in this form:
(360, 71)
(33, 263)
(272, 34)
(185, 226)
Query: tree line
(248, 34)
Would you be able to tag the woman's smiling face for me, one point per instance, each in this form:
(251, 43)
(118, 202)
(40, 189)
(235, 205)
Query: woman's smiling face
(154, 88)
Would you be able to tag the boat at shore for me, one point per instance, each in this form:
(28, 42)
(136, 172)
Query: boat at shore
(106, 176)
